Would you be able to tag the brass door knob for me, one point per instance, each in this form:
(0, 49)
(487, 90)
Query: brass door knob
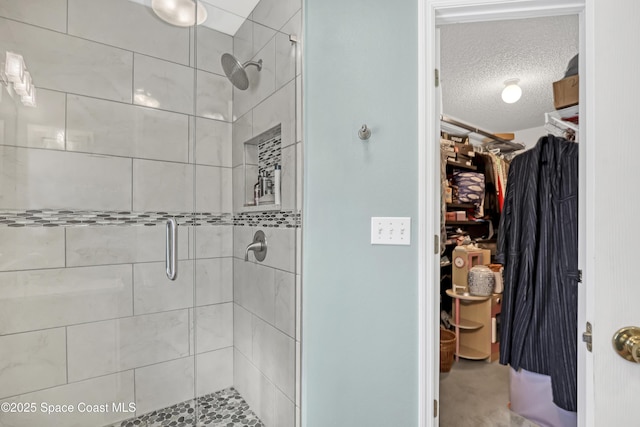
(627, 343)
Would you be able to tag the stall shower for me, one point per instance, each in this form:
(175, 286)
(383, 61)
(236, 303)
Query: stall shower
(114, 121)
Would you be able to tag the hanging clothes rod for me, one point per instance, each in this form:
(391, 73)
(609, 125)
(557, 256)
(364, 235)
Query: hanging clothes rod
(502, 144)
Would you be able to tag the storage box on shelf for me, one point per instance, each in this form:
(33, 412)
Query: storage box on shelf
(566, 92)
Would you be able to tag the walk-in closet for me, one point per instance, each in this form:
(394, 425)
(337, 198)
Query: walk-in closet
(509, 180)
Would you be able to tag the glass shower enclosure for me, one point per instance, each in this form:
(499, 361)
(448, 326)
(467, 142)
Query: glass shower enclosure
(114, 120)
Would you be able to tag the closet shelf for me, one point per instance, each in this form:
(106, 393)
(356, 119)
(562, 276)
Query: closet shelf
(468, 324)
(466, 297)
(469, 353)
(556, 121)
(461, 165)
(461, 206)
(496, 142)
(465, 222)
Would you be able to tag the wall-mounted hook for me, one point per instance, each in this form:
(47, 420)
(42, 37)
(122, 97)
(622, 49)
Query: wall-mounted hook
(364, 133)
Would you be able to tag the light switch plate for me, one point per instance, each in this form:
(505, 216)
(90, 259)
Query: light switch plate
(390, 230)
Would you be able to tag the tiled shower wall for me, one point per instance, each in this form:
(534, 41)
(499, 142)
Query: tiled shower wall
(266, 294)
(86, 313)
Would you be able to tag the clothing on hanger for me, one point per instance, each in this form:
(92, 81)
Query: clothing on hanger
(538, 246)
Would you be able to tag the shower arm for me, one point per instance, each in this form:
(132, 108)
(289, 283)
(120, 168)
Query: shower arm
(258, 64)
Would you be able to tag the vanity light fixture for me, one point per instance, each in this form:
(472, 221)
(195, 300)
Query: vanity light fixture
(14, 73)
(181, 13)
(511, 92)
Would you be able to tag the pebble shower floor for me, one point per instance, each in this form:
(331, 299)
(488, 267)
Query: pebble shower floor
(225, 408)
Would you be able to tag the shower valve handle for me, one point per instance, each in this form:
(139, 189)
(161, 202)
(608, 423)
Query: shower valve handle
(258, 246)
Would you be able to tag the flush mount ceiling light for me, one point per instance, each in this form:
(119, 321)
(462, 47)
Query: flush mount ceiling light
(141, 97)
(17, 79)
(511, 92)
(14, 67)
(181, 13)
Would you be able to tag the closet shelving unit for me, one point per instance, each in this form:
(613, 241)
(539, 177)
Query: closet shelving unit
(472, 319)
(505, 146)
(560, 122)
(474, 316)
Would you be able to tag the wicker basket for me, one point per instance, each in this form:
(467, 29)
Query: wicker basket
(447, 349)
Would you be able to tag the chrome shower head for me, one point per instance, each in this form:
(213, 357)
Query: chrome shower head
(236, 72)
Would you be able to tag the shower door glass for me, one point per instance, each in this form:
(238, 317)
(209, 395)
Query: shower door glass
(109, 126)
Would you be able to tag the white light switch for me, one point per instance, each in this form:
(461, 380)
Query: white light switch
(390, 230)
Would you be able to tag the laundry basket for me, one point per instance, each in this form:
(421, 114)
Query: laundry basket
(447, 349)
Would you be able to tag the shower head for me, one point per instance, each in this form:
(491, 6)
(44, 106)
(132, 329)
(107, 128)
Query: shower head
(236, 72)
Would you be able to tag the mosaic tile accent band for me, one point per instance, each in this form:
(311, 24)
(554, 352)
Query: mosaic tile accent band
(80, 218)
(283, 219)
(269, 155)
(225, 408)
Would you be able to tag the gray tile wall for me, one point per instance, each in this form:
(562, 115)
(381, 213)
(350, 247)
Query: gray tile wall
(115, 125)
(124, 123)
(267, 294)
(97, 304)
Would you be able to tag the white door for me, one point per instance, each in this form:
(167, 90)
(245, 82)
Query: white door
(613, 59)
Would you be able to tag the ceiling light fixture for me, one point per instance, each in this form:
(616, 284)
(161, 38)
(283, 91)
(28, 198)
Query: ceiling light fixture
(14, 67)
(141, 97)
(17, 79)
(511, 92)
(181, 13)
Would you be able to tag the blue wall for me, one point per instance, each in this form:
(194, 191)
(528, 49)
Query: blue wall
(360, 302)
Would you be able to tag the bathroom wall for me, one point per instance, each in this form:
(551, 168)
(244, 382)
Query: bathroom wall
(360, 301)
(266, 294)
(124, 130)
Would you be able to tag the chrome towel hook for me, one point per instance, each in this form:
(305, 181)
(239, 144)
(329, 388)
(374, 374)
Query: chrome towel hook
(364, 133)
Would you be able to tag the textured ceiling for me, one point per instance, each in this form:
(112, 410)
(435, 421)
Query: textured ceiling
(477, 58)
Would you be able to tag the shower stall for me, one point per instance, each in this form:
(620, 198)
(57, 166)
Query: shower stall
(114, 120)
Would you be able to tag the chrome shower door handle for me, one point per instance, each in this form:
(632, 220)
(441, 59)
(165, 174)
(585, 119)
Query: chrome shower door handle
(171, 255)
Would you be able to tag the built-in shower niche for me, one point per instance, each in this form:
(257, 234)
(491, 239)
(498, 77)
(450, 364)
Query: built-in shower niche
(262, 154)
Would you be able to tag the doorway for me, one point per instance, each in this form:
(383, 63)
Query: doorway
(475, 59)
(434, 13)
